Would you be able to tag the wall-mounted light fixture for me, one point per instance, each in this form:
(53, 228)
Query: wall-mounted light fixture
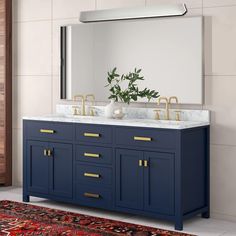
(165, 10)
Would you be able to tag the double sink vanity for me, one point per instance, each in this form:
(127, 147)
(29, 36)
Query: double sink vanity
(153, 163)
(143, 166)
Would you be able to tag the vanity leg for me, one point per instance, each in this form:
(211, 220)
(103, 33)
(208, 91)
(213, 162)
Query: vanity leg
(26, 198)
(206, 215)
(179, 224)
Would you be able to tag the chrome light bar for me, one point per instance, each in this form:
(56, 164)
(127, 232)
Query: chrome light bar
(163, 10)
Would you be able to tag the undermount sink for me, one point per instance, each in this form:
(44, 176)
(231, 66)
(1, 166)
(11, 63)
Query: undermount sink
(163, 122)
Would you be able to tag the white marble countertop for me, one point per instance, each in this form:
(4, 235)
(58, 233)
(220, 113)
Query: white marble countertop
(145, 123)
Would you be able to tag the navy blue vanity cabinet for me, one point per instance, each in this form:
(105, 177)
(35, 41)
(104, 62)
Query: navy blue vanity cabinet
(129, 179)
(151, 175)
(38, 173)
(159, 182)
(159, 173)
(51, 168)
(94, 166)
(48, 163)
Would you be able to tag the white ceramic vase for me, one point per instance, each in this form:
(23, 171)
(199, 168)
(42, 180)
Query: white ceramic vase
(109, 109)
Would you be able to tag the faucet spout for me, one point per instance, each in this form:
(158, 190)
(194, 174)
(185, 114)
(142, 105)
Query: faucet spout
(81, 97)
(92, 99)
(167, 113)
(173, 98)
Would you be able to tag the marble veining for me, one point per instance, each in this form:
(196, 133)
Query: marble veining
(147, 123)
(144, 113)
(135, 117)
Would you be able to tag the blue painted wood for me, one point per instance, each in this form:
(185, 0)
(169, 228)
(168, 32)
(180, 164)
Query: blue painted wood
(105, 175)
(159, 183)
(174, 186)
(26, 197)
(129, 179)
(164, 139)
(38, 167)
(103, 201)
(104, 131)
(63, 131)
(105, 154)
(193, 170)
(61, 170)
(178, 184)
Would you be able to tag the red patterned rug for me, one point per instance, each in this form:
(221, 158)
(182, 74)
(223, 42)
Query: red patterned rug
(23, 219)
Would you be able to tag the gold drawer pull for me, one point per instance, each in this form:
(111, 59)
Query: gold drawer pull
(47, 131)
(50, 153)
(146, 139)
(92, 195)
(140, 162)
(92, 135)
(91, 175)
(45, 152)
(145, 163)
(93, 155)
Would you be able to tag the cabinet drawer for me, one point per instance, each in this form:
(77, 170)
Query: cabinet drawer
(150, 138)
(93, 196)
(91, 154)
(93, 175)
(49, 130)
(94, 133)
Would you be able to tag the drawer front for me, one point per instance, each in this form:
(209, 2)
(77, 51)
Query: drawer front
(94, 134)
(91, 154)
(150, 138)
(49, 130)
(93, 175)
(93, 196)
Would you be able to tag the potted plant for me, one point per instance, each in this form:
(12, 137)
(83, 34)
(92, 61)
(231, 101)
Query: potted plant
(125, 89)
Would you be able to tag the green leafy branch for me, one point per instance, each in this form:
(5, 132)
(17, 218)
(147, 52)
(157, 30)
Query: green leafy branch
(131, 92)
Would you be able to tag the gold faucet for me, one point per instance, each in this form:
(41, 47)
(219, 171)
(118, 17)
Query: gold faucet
(167, 113)
(173, 98)
(91, 111)
(168, 102)
(77, 98)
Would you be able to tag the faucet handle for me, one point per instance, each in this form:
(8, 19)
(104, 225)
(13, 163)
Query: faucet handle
(75, 111)
(177, 115)
(91, 111)
(157, 114)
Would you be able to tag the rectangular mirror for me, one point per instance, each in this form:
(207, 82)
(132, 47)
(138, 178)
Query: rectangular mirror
(168, 50)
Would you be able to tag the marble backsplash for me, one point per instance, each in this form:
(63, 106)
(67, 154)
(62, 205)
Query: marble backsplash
(143, 113)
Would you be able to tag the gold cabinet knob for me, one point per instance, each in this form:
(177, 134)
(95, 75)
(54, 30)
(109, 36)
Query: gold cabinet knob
(140, 163)
(145, 163)
(47, 152)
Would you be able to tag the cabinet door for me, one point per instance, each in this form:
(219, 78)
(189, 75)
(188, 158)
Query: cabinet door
(159, 183)
(129, 179)
(37, 167)
(61, 163)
